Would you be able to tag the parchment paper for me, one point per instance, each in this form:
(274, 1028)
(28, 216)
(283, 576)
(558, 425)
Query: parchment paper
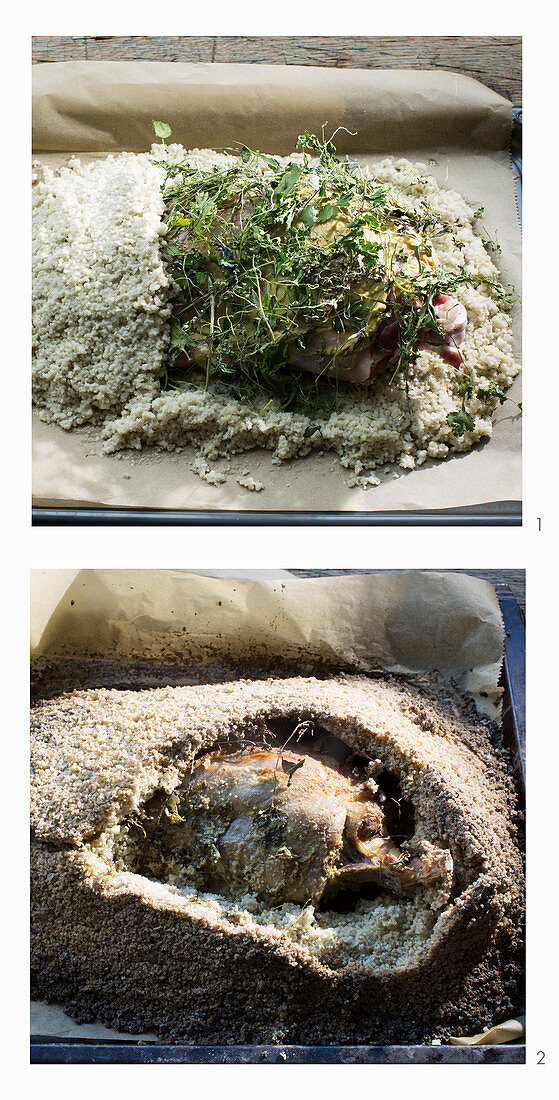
(403, 622)
(408, 622)
(454, 124)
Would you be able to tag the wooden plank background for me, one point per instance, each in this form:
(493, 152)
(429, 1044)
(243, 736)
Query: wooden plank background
(496, 61)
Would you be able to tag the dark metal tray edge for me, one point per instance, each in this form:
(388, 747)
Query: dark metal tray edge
(126, 517)
(103, 1053)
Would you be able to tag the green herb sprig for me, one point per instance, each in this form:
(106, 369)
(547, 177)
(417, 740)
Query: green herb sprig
(161, 129)
(462, 421)
(259, 283)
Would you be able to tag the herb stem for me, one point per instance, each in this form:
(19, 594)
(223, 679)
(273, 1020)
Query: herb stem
(212, 321)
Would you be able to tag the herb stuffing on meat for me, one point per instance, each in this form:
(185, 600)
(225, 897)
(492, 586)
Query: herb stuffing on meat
(292, 279)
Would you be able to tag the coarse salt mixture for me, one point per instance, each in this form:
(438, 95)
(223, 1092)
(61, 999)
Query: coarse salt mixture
(102, 302)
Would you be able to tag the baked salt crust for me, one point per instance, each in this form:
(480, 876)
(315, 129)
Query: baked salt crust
(102, 305)
(147, 955)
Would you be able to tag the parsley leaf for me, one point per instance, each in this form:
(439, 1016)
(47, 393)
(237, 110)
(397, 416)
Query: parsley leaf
(308, 217)
(466, 386)
(161, 129)
(287, 182)
(325, 213)
(492, 392)
(460, 422)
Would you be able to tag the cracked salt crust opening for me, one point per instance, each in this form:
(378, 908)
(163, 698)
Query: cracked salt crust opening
(99, 754)
(385, 932)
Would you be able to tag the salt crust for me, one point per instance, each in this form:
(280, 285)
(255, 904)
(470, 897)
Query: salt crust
(97, 754)
(101, 308)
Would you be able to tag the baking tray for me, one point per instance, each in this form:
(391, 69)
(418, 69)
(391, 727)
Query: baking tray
(149, 1054)
(132, 517)
(506, 514)
(47, 1049)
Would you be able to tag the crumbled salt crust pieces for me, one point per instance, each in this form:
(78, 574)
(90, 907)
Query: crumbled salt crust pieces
(248, 482)
(102, 302)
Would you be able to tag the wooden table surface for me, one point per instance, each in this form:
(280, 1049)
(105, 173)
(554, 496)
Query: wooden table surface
(515, 578)
(496, 61)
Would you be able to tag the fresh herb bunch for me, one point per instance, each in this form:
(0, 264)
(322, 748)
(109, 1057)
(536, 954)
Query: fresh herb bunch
(270, 260)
